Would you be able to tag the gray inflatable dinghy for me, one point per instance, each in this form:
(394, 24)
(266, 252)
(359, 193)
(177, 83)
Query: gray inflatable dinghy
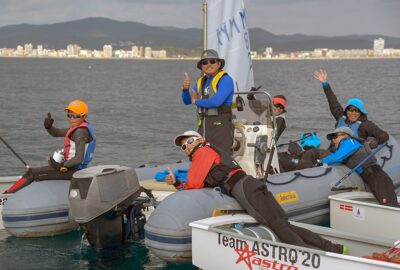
(303, 194)
(40, 209)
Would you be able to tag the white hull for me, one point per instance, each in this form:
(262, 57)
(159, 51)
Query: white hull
(360, 213)
(230, 250)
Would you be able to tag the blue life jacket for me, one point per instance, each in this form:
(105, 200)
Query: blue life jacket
(354, 126)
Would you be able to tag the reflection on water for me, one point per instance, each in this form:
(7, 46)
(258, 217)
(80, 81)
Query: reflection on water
(66, 252)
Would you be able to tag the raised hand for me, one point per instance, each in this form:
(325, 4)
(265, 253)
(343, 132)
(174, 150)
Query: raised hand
(186, 81)
(321, 75)
(48, 121)
(170, 178)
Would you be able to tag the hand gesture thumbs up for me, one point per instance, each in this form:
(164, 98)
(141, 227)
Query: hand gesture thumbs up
(186, 81)
(170, 178)
(48, 121)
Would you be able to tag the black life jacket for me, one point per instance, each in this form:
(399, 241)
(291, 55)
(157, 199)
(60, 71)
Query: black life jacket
(220, 173)
(358, 156)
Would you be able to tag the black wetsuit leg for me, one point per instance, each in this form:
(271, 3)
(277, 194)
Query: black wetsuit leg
(381, 185)
(219, 131)
(253, 195)
(48, 173)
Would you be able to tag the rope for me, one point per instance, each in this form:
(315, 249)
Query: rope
(390, 155)
(298, 174)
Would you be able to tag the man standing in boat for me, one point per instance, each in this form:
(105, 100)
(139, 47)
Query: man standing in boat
(352, 151)
(79, 146)
(212, 167)
(212, 94)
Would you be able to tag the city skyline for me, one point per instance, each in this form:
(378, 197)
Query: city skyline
(141, 52)
(311, 17)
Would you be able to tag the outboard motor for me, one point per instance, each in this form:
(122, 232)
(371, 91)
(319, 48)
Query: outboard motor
(102, 202)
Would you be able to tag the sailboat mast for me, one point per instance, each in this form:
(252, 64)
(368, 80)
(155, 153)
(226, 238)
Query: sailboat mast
(205, 25)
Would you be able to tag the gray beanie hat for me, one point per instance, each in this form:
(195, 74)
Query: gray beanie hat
(346, 130)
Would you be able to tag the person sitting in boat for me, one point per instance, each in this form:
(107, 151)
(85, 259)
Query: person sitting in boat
(353, 116)
(302, 153)
(279, 109)
(279, 102)
(351, 151)
(212, 94)
(79, 146)
(213, 167)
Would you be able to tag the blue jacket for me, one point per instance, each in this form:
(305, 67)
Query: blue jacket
(347, 147)
(223, 96)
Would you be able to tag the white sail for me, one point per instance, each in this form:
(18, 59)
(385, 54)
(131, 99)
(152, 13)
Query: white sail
(227, 33)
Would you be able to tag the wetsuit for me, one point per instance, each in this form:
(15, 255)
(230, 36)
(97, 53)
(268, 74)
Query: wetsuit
(214, 109)
(212, 167)
(351, 152)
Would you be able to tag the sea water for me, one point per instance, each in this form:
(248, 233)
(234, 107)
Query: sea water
(136, 110)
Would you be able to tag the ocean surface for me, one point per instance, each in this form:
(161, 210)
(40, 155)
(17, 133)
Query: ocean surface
(136, 110)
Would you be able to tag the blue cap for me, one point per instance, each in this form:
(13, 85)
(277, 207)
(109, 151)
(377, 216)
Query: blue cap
(358, 103)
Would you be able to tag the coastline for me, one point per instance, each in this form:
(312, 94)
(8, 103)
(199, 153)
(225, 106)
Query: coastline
(196, 58)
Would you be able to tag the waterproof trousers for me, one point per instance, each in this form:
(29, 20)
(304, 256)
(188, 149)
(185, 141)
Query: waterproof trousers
(381, 185)
(40, 174)
(218, 130)
(254, 196)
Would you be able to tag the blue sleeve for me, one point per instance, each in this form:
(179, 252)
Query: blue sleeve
(187, 100)
(325, 84)
(224, 94)
(346, 148)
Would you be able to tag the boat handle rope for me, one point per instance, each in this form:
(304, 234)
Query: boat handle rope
(389, 157)
(298, 174)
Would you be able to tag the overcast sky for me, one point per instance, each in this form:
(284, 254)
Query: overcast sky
(322, 17)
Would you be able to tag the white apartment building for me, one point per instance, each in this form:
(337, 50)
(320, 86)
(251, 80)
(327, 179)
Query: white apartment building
(107, 51)
(379, 46)
(147, 52)
(73, 50)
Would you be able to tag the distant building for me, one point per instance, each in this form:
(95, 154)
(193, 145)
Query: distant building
(107, 51)
(20, 50)
(141, 51)
(268, 52)
(73, 50)
(28, 49)
(161, 54)
(379, 46)
(147, 52)
(135, 52)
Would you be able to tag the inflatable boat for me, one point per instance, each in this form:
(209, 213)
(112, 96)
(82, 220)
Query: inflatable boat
(303, 194)
(43, 208)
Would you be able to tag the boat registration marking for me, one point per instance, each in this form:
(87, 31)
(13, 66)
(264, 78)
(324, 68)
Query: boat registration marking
(287, 197)
(346, 207)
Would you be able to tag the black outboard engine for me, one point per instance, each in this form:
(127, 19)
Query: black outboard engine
(102, 202)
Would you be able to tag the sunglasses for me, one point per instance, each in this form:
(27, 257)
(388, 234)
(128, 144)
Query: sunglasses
(188, 142)
(278, 106)
(353, 110)
(73, 115)
(205, 62)
(335, 136)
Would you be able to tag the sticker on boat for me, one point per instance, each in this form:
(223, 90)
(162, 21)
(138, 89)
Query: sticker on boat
(359, 213)
(287, 197)
(259, 255)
